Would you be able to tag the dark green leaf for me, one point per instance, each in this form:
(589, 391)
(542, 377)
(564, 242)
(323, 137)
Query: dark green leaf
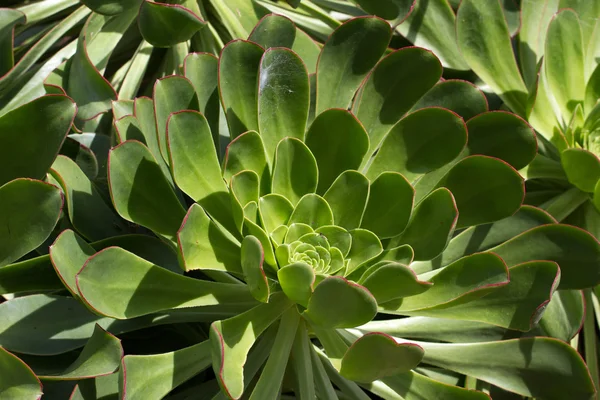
(165, 25)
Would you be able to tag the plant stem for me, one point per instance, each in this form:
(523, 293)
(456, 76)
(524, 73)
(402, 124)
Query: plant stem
(589, 337)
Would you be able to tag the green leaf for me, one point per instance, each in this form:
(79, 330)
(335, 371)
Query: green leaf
(339, 303)
(283, 98)
(387, 9)
(195, 165)
(171, 94)
(347, 197)
(339, 143)
(30, 210)
(394, 86)
(573, 249)
(103, 387)
(88, 212)
(504, 136)
(365, 247)
(153, 375)
(204, 245)
(484, 41)
(17, 380)
(337, 237)
(247, 152)
(312, 210)
(534, 367)
(110, 7)
(139, 190)
(566, 79)
(421, 142)
(232, 339)
(238, 85)
(582, 168)
(483, 237)
(390, 205)
(165, 25)
(101, 356)
(35, 274)
(279, 31)
(297, 282)
(462, 97)
(143, 288)
(486, 190)
(275, 210)
(31, 135)
(563, 316)
(432, 225)
(376, 355)
(252, 264)
(8, 20)
(302, 363)
(347, 57)
(390, 280)
(485, 271)
(592, 91)
(269, 383)
(295, 171)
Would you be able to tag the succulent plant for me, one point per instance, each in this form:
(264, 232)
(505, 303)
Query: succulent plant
(352, 235)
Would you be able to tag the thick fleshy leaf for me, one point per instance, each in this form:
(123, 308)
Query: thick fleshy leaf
(101, 356)
(165, 25)
(462, 97)
(139, 190)
(88, 212)
(432, 225)
(283, 97)
(486, 190)
(389, 206)
(483, 237)
(279, 31)
(390, 280)
(295, 171)
(347, 57)
(17, 380)
(484, 41)
(297, 282)
(30, 210)
(35, 274)
(366, 246)
(205, 246)
(144, 288)
(339, 303)
(232, 339)
(582, 168)
(375, 356)
(421, 142)
(195, 165)
(394, 86)
(275, 210)
(313, 211)
(573, 249)
(8, 20)
(247, 152)
(564, 315)
(238, 85)
(110, 7)
(31, 135)
(566, 80)
(153, 375)
(202, 69)
(502, 135)
(387, 9)
(347, 197)
(534, 367)
(252, 264)
(102, 387)
(171, 94)
(517, 305)
(339, 143)
(486, 272)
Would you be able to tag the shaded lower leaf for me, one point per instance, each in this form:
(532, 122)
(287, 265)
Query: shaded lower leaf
(164, 25)
(17, 380)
